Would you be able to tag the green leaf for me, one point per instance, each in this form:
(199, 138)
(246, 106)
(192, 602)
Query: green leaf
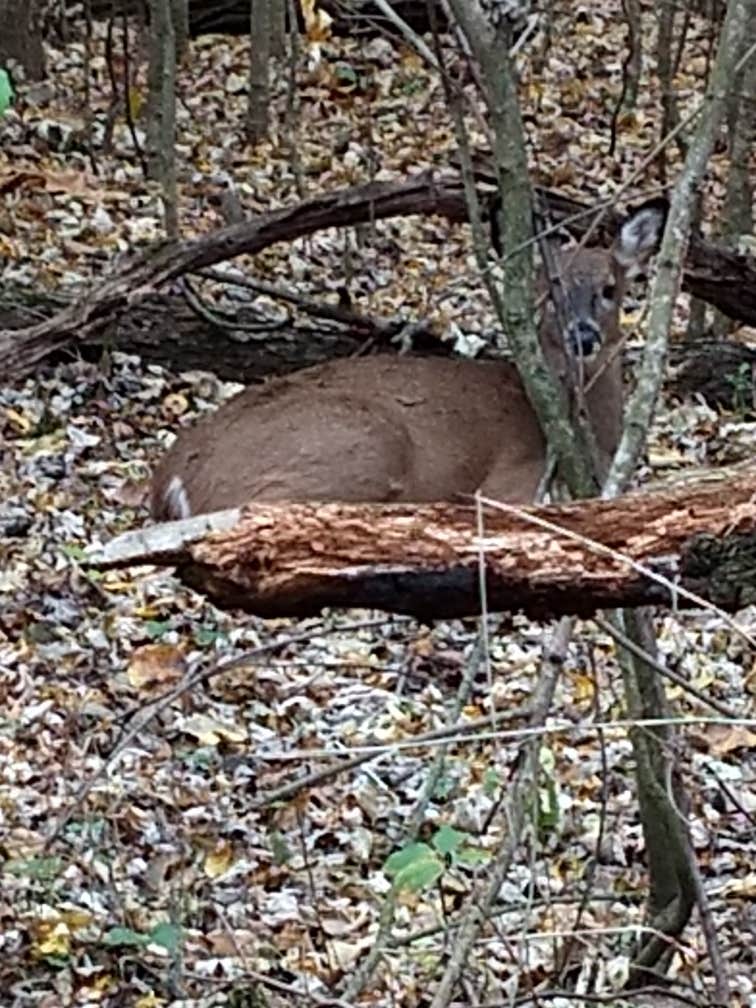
(399, 860)
(279, 848)
(56, 961)
(414, 867)
(472, 856)
(444, 786)
(446, 839)
(412, 86)
(91, 829)
(201, 758)
(345, 74)
(420, 874)
(156, 628)
(34, 867)
(548, 807)
(207, 635)
(491, 782)
(125, 936)
(6, 91)
(74, 551)
(548, 796)
(167, 935)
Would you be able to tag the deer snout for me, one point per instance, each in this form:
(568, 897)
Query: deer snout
(585, 337)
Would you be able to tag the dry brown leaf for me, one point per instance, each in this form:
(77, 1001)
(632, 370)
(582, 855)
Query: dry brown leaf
(174, 405)
(724, 739)
(210, 732)
(156, 664)
(219, 860)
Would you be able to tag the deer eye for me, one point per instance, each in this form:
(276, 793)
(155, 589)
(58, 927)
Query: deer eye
(608, 291)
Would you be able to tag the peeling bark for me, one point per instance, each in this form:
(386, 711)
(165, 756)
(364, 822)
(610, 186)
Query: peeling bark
(294, 559)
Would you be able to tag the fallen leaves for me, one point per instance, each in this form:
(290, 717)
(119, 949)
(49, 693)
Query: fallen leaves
(156, 665)
(210, 731)
(176, 824)
(219, 860)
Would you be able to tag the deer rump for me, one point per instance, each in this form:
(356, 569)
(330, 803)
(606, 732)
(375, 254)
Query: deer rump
(361, 429)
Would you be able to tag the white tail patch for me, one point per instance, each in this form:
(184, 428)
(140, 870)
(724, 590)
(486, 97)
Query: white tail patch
(176, 500)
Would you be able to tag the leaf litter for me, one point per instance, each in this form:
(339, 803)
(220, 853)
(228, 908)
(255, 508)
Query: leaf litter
(178, 878)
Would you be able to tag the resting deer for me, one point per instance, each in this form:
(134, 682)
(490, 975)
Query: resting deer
(413, 429)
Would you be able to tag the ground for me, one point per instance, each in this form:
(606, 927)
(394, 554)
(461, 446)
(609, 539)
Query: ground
(164, 844)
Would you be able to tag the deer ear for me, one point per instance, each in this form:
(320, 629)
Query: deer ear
(640, 234)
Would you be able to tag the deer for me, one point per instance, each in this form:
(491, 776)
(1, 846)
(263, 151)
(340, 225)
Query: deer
(417, 429)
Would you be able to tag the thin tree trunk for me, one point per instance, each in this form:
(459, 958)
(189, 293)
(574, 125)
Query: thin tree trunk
(20, 38)
(161, 133)
(634, 61)
(672, 880)
(278, 28)
(737, 218)
(514, 301)
(180, 17)
(665, 17)
(258, 114)
(661, 799)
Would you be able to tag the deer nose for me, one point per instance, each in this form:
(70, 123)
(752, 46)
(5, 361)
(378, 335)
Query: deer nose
(585, 337)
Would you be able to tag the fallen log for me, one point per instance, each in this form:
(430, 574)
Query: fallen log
(724, 279)
(231, 17)
(293, 559)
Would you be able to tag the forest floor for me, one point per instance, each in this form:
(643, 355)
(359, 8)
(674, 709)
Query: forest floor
(213, 850)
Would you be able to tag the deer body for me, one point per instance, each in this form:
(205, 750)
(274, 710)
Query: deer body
(411, 429)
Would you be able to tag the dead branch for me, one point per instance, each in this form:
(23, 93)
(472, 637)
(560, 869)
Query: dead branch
(726, 280)
(295, 558)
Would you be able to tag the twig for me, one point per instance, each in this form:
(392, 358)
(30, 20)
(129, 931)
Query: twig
(487, 889)
(382, 938)
(166, 699)
(611, 998)
(332, 313)
(509, 734)
(709, 928)
(277, 985)
(508, 906)
(639, 410)
(223, 320)
(410, 36)
(309, 780)
(630, 645)
(727, 790)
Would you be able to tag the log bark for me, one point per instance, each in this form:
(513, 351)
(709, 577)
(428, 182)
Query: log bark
(21, 37)
(721, 371)
(231, 17)
(289, 559)
(725, 279)
(162, 329)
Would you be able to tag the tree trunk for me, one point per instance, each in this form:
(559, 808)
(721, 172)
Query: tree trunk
(258, 97)
(20, 39)
(663, 806)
